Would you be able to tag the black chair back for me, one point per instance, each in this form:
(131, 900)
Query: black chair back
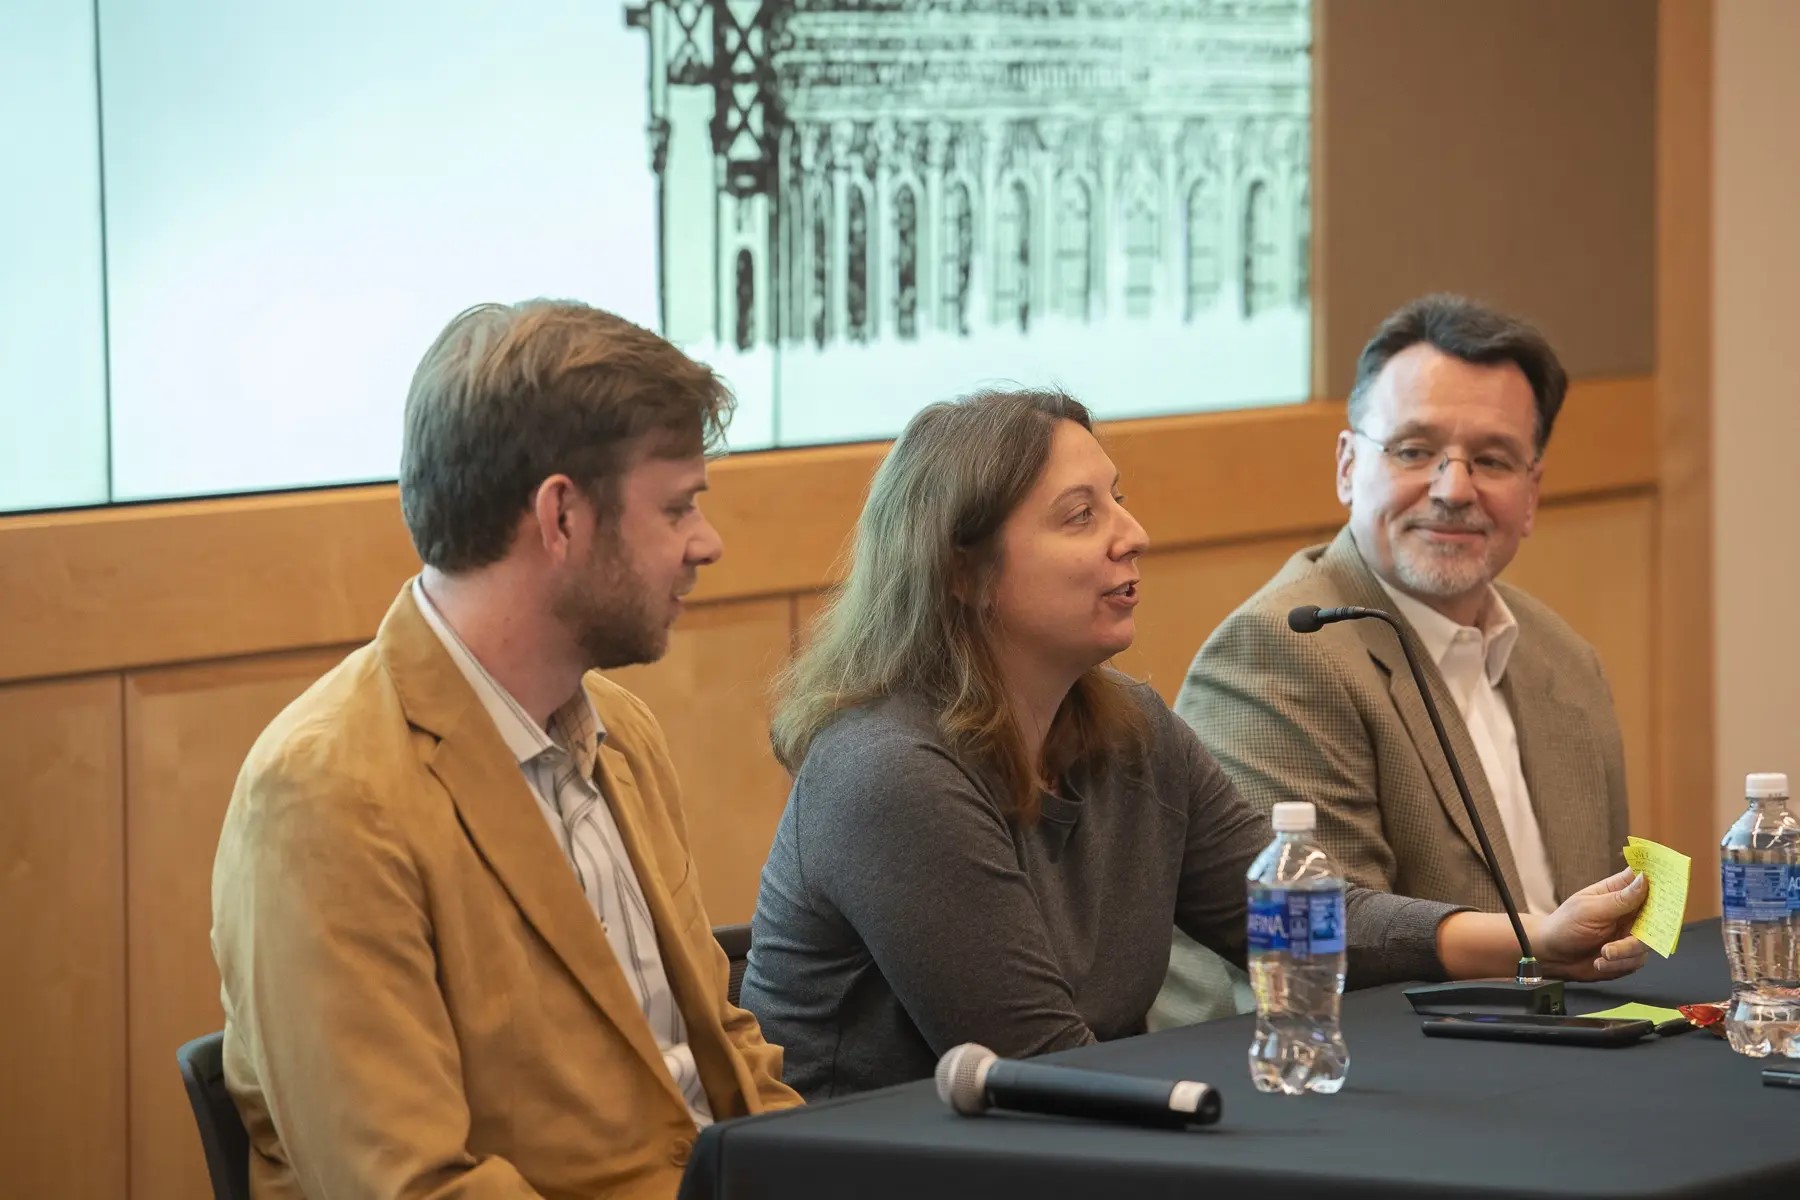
(222, 1133)
(735, 941)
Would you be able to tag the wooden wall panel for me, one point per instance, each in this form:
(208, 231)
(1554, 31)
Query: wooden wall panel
(113, 588)
(62, 941)
(1186, 593)
(711, 694)
(1505, 150)
(118, 588)
(188, 730)
(1594, 564)
(1685, 718)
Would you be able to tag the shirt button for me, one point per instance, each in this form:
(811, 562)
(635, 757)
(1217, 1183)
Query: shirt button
(678, 1153)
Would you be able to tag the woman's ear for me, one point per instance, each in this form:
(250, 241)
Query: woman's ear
(962, 576)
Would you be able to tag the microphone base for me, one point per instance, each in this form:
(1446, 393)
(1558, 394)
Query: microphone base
(1487, 996)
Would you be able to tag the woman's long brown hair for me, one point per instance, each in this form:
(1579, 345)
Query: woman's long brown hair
(914, 616)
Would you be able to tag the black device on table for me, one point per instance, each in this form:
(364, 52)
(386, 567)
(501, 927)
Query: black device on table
(1781, 1077)
(1540, 1027)
(1528, 993)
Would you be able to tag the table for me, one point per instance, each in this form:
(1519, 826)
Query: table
(1675, 1116)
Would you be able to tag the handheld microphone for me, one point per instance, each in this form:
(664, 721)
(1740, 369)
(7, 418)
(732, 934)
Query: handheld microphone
(1529, 988)
(973, 1079)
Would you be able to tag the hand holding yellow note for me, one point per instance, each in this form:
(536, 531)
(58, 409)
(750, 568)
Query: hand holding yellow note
(1658, 923)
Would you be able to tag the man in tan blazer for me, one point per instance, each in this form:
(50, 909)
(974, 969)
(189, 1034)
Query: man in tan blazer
(1440, 469)
(462, 944)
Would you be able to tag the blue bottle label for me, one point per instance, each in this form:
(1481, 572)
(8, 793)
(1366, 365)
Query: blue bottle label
(1327, 913)
(1760, 891)
(1268, 923)
(1297, 923)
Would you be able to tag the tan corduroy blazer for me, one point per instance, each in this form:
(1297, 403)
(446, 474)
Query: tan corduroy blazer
(1335, 718)
(419, 1000)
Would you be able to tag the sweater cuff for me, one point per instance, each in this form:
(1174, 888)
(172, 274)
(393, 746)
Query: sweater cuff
(1393, 938)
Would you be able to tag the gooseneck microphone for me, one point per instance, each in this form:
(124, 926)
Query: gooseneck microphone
(973, 1079)
(1532, 992)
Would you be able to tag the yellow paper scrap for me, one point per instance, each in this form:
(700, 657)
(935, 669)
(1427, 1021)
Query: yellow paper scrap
(1640, 1012)
(1658, 923)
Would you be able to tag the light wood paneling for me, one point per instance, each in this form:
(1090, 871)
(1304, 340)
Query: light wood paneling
(1186, 593)
(1594, 564)
(128, 587)
(1504, 150)
(115, 588)
(62, 941)
(188, 730)
(1684, 716)
(711, 694)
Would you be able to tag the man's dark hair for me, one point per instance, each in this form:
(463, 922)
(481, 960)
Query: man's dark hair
(1475, 333)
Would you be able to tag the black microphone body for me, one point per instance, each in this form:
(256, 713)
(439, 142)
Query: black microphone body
(972, 1079)
(1310, 618)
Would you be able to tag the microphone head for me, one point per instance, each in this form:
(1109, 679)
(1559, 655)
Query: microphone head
(962, 1078)
(1305, 619)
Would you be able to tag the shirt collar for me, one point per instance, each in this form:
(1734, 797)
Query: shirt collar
(1499, 630)
(574, 728)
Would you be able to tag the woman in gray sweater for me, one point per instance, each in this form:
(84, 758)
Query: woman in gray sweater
(990, 831)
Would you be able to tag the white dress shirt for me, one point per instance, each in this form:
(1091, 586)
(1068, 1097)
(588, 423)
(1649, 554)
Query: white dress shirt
(1472, 662)
(558, 765)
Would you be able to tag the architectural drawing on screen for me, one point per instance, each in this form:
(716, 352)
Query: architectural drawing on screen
(1112, 193)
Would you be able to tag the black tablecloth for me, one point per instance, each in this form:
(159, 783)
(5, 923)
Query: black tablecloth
(1671, 1116)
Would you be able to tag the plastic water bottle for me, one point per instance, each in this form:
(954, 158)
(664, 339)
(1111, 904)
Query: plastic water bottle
(1760, 872)
(1296, 960)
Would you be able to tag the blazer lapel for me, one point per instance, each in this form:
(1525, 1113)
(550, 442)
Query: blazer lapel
(1360, 583)
(687, 981)
(1564, 771)
(504, 821)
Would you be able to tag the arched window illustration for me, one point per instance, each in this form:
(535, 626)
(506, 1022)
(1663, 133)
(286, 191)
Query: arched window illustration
(1303, 249)
(856, 287)
(1074, 247)
(959, 256)
(746, 301)
(906, 263)
(1205, 276)
(791, 316)
(1140, 252)
(819, 293)
(1012, 256)
(1261, 289)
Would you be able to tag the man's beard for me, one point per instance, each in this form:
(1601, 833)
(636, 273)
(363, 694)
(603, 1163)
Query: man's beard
(612, 616)
(1445, 571)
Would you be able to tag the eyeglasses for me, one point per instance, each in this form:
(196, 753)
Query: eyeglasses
(1417, 456)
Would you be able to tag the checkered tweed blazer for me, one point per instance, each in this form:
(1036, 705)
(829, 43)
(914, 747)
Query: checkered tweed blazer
(1335, 718)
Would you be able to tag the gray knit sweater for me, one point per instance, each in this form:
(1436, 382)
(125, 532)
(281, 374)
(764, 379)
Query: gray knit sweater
(901, 913)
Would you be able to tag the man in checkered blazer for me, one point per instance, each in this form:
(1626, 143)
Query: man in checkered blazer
(1440, 468)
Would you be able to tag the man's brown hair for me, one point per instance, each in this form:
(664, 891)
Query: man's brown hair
(509, 395)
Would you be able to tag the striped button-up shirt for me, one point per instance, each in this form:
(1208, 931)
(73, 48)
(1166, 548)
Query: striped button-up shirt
(558, 764)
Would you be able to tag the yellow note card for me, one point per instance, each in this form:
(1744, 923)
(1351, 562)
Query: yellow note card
(1658, 923)
(1640, 1012)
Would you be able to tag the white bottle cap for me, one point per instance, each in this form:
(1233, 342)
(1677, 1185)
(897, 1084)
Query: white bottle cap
(1760, 784)
(1295, 816)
